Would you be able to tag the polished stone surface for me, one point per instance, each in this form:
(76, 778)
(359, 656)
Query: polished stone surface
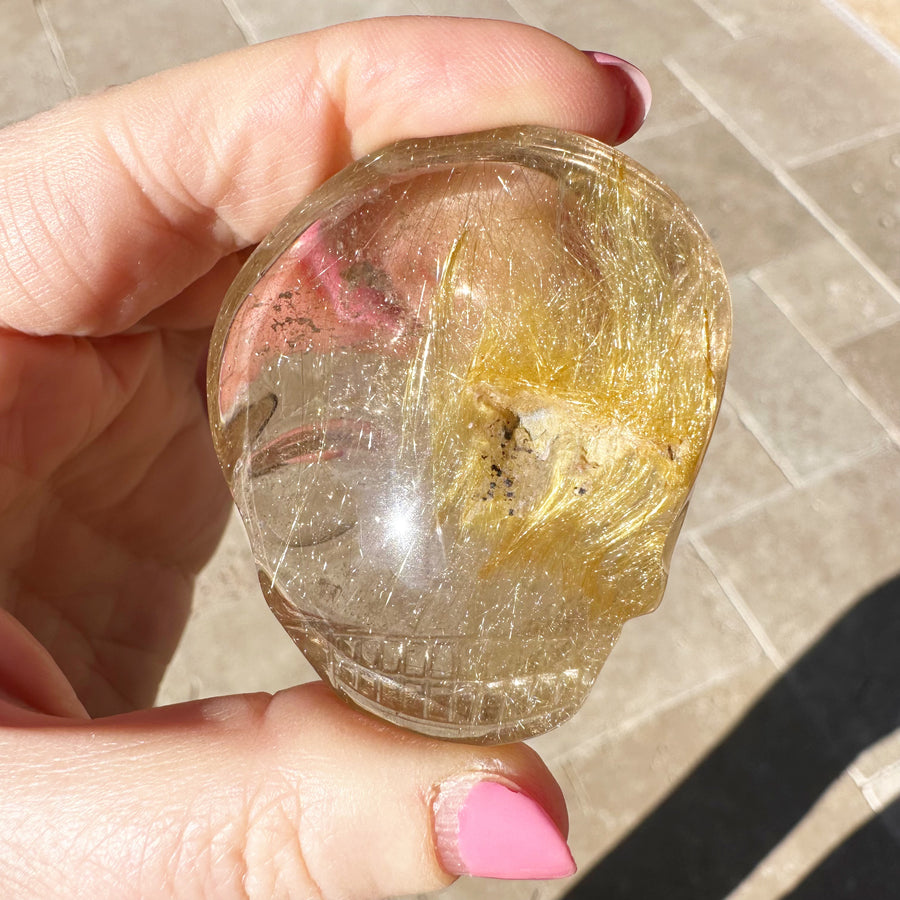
(859, 190)
(461, 397)
(810, 421)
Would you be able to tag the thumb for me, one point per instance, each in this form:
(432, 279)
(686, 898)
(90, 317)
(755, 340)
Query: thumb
(291, 795)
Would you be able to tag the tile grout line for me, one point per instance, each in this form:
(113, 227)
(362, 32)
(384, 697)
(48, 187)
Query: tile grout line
(749, 421)
(737, 601)
(874, 328)
(56, 48)
(856, 776)
(535, 23)
(512, 7)
(739, 512)
(241, 21)
(830, 359)
(867, 785)
(854, 143)
(733, 31)
(575, 779)
(867, 32)
(847, 462)
(667, 130)
(783, 177)
(872, 798)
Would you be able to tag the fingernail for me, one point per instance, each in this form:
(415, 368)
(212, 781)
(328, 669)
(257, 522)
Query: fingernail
(638, 94)
(487, 829)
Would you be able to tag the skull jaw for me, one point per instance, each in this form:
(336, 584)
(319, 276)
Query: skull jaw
(467, 688)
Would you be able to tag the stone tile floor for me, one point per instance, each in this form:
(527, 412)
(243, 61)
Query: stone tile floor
(743, 741)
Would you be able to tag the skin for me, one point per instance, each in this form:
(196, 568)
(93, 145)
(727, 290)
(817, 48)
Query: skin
(123, 218)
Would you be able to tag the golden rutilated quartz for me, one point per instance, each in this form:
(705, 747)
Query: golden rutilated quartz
(461, 395)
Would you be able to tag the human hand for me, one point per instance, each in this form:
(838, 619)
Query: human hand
(124, 217)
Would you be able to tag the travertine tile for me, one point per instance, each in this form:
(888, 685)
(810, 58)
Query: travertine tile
(883, 788)
(693, 639)
(269, 20)
(803, 411)
(621, 781)
(773, 781)
(801, 561)
(747, 17)
(874, 363)
(866, 864)
(737, 471)
(749, 216)
(860, 191)
(878, 772)
(780, 87)
(879, 757)
(880, 15)
(643, 31)
(232, 643)
(836, 815)
(829, 292)
(611, 788)
(115, 41)
(29, 76)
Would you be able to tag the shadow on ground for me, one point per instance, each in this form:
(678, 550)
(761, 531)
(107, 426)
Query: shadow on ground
(841, 697)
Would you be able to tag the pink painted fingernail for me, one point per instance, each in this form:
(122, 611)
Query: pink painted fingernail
(494, 831)
(638, 94)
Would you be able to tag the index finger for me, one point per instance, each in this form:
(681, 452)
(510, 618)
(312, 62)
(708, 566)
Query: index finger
(115, 203)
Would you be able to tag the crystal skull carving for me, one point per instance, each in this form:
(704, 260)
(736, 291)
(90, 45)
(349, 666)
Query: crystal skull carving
(461, 395)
